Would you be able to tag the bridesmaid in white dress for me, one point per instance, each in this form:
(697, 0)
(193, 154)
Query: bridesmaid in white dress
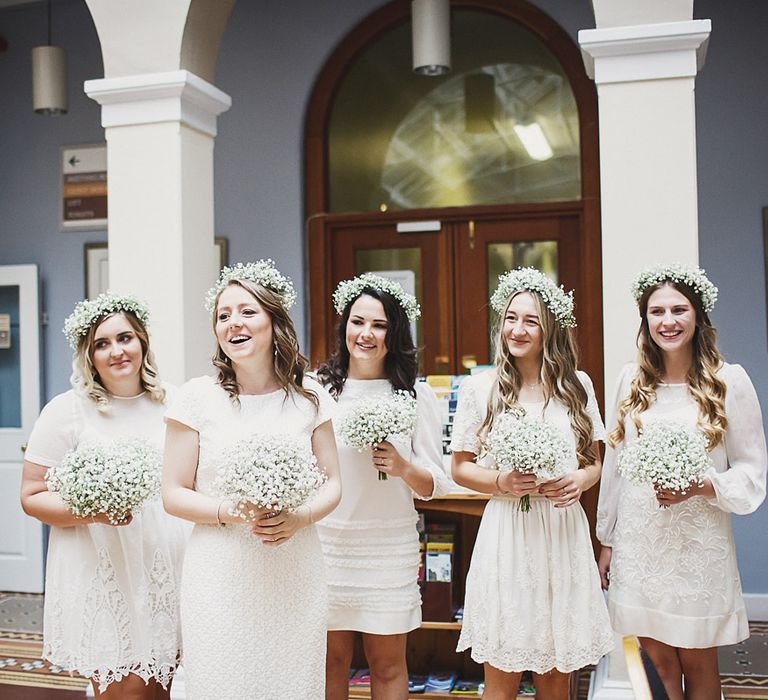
(253, 595)
(673, 579)
(533, 598)
(111, 604)
(370, 541)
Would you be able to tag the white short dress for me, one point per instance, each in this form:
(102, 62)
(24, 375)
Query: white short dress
(253, 616)
(674, 576)
(370, 541)
(111, 593)
(533, 598)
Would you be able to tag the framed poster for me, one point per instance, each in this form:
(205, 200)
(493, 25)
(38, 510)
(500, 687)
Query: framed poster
(96, 265)
(84, 186)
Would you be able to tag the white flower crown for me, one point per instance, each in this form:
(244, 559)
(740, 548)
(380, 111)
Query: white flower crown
(530, 279)
(261, 272)
(351, 289)
(689, 275)
(88, 311)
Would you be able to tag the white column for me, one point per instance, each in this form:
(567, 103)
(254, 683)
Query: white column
(160, 130)
(645, 84)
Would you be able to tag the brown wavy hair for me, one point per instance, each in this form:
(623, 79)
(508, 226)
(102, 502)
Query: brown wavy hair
(401, 364)
(558, 377)
(290, 364)
(706, 388)
(85, 379)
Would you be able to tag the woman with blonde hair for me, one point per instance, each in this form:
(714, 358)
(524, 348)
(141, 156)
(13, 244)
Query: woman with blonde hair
(253, 598)
(111, 608)
(671, 571)
(533, 599)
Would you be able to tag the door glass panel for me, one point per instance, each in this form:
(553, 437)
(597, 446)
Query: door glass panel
(502, 127)
(395, 260)
(10, 362)
(504, 256)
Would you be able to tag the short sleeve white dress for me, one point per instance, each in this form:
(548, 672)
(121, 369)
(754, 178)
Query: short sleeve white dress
(111, 593)
(253, 616)
(370, 541)
(674, 575)
(533, 598)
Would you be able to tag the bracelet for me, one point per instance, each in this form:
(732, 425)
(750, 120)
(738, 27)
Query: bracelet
(218, 513)
(498, 488)
(309, 509)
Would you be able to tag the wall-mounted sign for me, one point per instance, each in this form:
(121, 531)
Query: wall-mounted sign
(84, 186)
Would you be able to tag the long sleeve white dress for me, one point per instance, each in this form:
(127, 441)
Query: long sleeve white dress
(253, 616)
(370, 541)
(674, 576)
(533, 599)
(111, 593)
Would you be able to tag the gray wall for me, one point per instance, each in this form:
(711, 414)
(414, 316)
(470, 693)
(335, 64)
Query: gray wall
(271, 54)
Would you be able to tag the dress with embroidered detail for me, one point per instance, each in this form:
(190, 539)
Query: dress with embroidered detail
(370, 541)
(674, 575)
(111, 593)
(533, 600)
(253, 616)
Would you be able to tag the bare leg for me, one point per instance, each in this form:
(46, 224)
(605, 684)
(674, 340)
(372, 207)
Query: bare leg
(500, 685)
(338, 659)
(386, 659)
(667, 662)
(553, 684)
(160, 693)
(701, 673)
(132, 687)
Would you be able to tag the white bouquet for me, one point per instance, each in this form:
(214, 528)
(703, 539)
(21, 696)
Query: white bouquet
(270, 471)
(377, 419)
(521, 443)
(668, 455)
(113, 478)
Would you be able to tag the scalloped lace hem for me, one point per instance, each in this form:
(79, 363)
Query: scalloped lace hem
(162, 672)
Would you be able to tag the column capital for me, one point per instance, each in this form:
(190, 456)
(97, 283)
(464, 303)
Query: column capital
(645, 52)
(150, 98)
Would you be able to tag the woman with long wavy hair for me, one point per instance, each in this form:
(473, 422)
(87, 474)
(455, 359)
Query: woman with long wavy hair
(671, 571)
(370, 541)
(111, 593)
(253, 594)
(533, 599)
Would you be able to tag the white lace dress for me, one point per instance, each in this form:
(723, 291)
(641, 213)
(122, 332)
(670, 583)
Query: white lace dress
(253, 616)
(674, 576)
(533, 599)
(111, 593)
(370, 541)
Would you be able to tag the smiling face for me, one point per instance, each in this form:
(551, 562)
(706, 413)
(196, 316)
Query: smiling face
(366, 332)
(243, 327)
(522, 330)
(671, 320)
(116, 355)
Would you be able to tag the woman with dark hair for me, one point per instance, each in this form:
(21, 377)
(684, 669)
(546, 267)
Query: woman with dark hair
(671, 571)
(253, 594)
(111, 590)
(370, 541)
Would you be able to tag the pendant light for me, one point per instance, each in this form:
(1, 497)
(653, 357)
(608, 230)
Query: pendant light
(431, 36)
(49, 77)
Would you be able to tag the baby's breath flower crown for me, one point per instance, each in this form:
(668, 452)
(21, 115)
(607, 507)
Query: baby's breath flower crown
(88, 311)
(529, 279)
(261, 272)
(351, 289)
(689, 275)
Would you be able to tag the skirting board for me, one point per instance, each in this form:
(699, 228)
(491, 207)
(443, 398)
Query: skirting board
(757, 606)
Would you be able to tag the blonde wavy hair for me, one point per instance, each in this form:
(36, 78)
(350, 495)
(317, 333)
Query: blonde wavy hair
(85, 379)
(558, 376)
(290, 364)
(706, 388)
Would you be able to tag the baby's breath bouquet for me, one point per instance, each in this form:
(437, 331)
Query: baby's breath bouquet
(521, 443)
(113, 478)
(374, 420)
(269, 471)
(668, 455)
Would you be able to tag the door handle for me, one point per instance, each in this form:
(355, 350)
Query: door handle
(469, 361)
(23, 447)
